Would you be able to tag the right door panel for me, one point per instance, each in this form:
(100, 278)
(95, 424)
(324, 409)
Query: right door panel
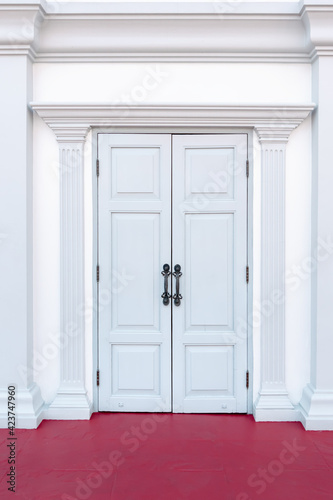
(210, 244)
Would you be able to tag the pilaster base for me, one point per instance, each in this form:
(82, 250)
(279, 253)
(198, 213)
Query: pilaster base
(28, 410)
(274, 407)
(69, 405)
(316, 409)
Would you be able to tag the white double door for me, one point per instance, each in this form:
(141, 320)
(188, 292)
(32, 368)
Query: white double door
(175, 200)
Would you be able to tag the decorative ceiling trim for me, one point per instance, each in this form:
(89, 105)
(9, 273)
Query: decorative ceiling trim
(223, 57)
(287, 32)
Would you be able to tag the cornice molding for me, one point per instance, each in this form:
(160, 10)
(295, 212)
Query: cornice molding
(19, 27)
(71, 122)
(177, 32)
(318, 21)
(179, 57)
(168, 8)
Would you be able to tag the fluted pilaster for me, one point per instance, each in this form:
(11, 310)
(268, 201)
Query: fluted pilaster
(273, 402)
(72, 395)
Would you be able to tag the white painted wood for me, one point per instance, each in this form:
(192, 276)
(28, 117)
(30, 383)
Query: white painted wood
(135, 242)
(71, 399)
(210, 244)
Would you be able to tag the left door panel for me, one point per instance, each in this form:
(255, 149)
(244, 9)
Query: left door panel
(134, 225)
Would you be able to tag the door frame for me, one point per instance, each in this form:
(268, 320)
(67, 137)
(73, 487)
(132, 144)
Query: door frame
(272, 123)
(201, 130)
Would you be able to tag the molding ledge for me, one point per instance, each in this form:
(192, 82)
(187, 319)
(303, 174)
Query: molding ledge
(272, 122)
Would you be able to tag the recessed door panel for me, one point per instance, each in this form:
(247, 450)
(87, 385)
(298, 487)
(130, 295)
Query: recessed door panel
(209, 370)
(207, 173)
(135, 173)
(135, 238)
(135, 370)
(209, 254)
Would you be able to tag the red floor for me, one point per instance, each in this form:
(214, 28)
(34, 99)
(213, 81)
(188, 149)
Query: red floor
(162, 457)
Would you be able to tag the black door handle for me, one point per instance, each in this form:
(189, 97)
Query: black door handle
(177, 274)
(166, 295)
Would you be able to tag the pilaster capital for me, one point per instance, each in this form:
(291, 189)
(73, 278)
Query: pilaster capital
(282, 120)
(73, 133)
(274, 134)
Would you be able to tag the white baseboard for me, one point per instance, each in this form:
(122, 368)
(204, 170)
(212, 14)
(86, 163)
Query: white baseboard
(28, 409)
(316, 409)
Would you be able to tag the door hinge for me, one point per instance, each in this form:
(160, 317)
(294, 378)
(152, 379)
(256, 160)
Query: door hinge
(247, 274)
(247, 379)
(97, 273)
(97, 168)
(247, 168)
(97, 377)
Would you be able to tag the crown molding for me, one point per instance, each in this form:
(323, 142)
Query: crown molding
(189, 57)
(20, 23)
(317, 17)
(177, 32)
(172, 8)
(71, 122)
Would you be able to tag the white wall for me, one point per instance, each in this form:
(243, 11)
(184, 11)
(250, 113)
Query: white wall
(181, 83)
(46, 259)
